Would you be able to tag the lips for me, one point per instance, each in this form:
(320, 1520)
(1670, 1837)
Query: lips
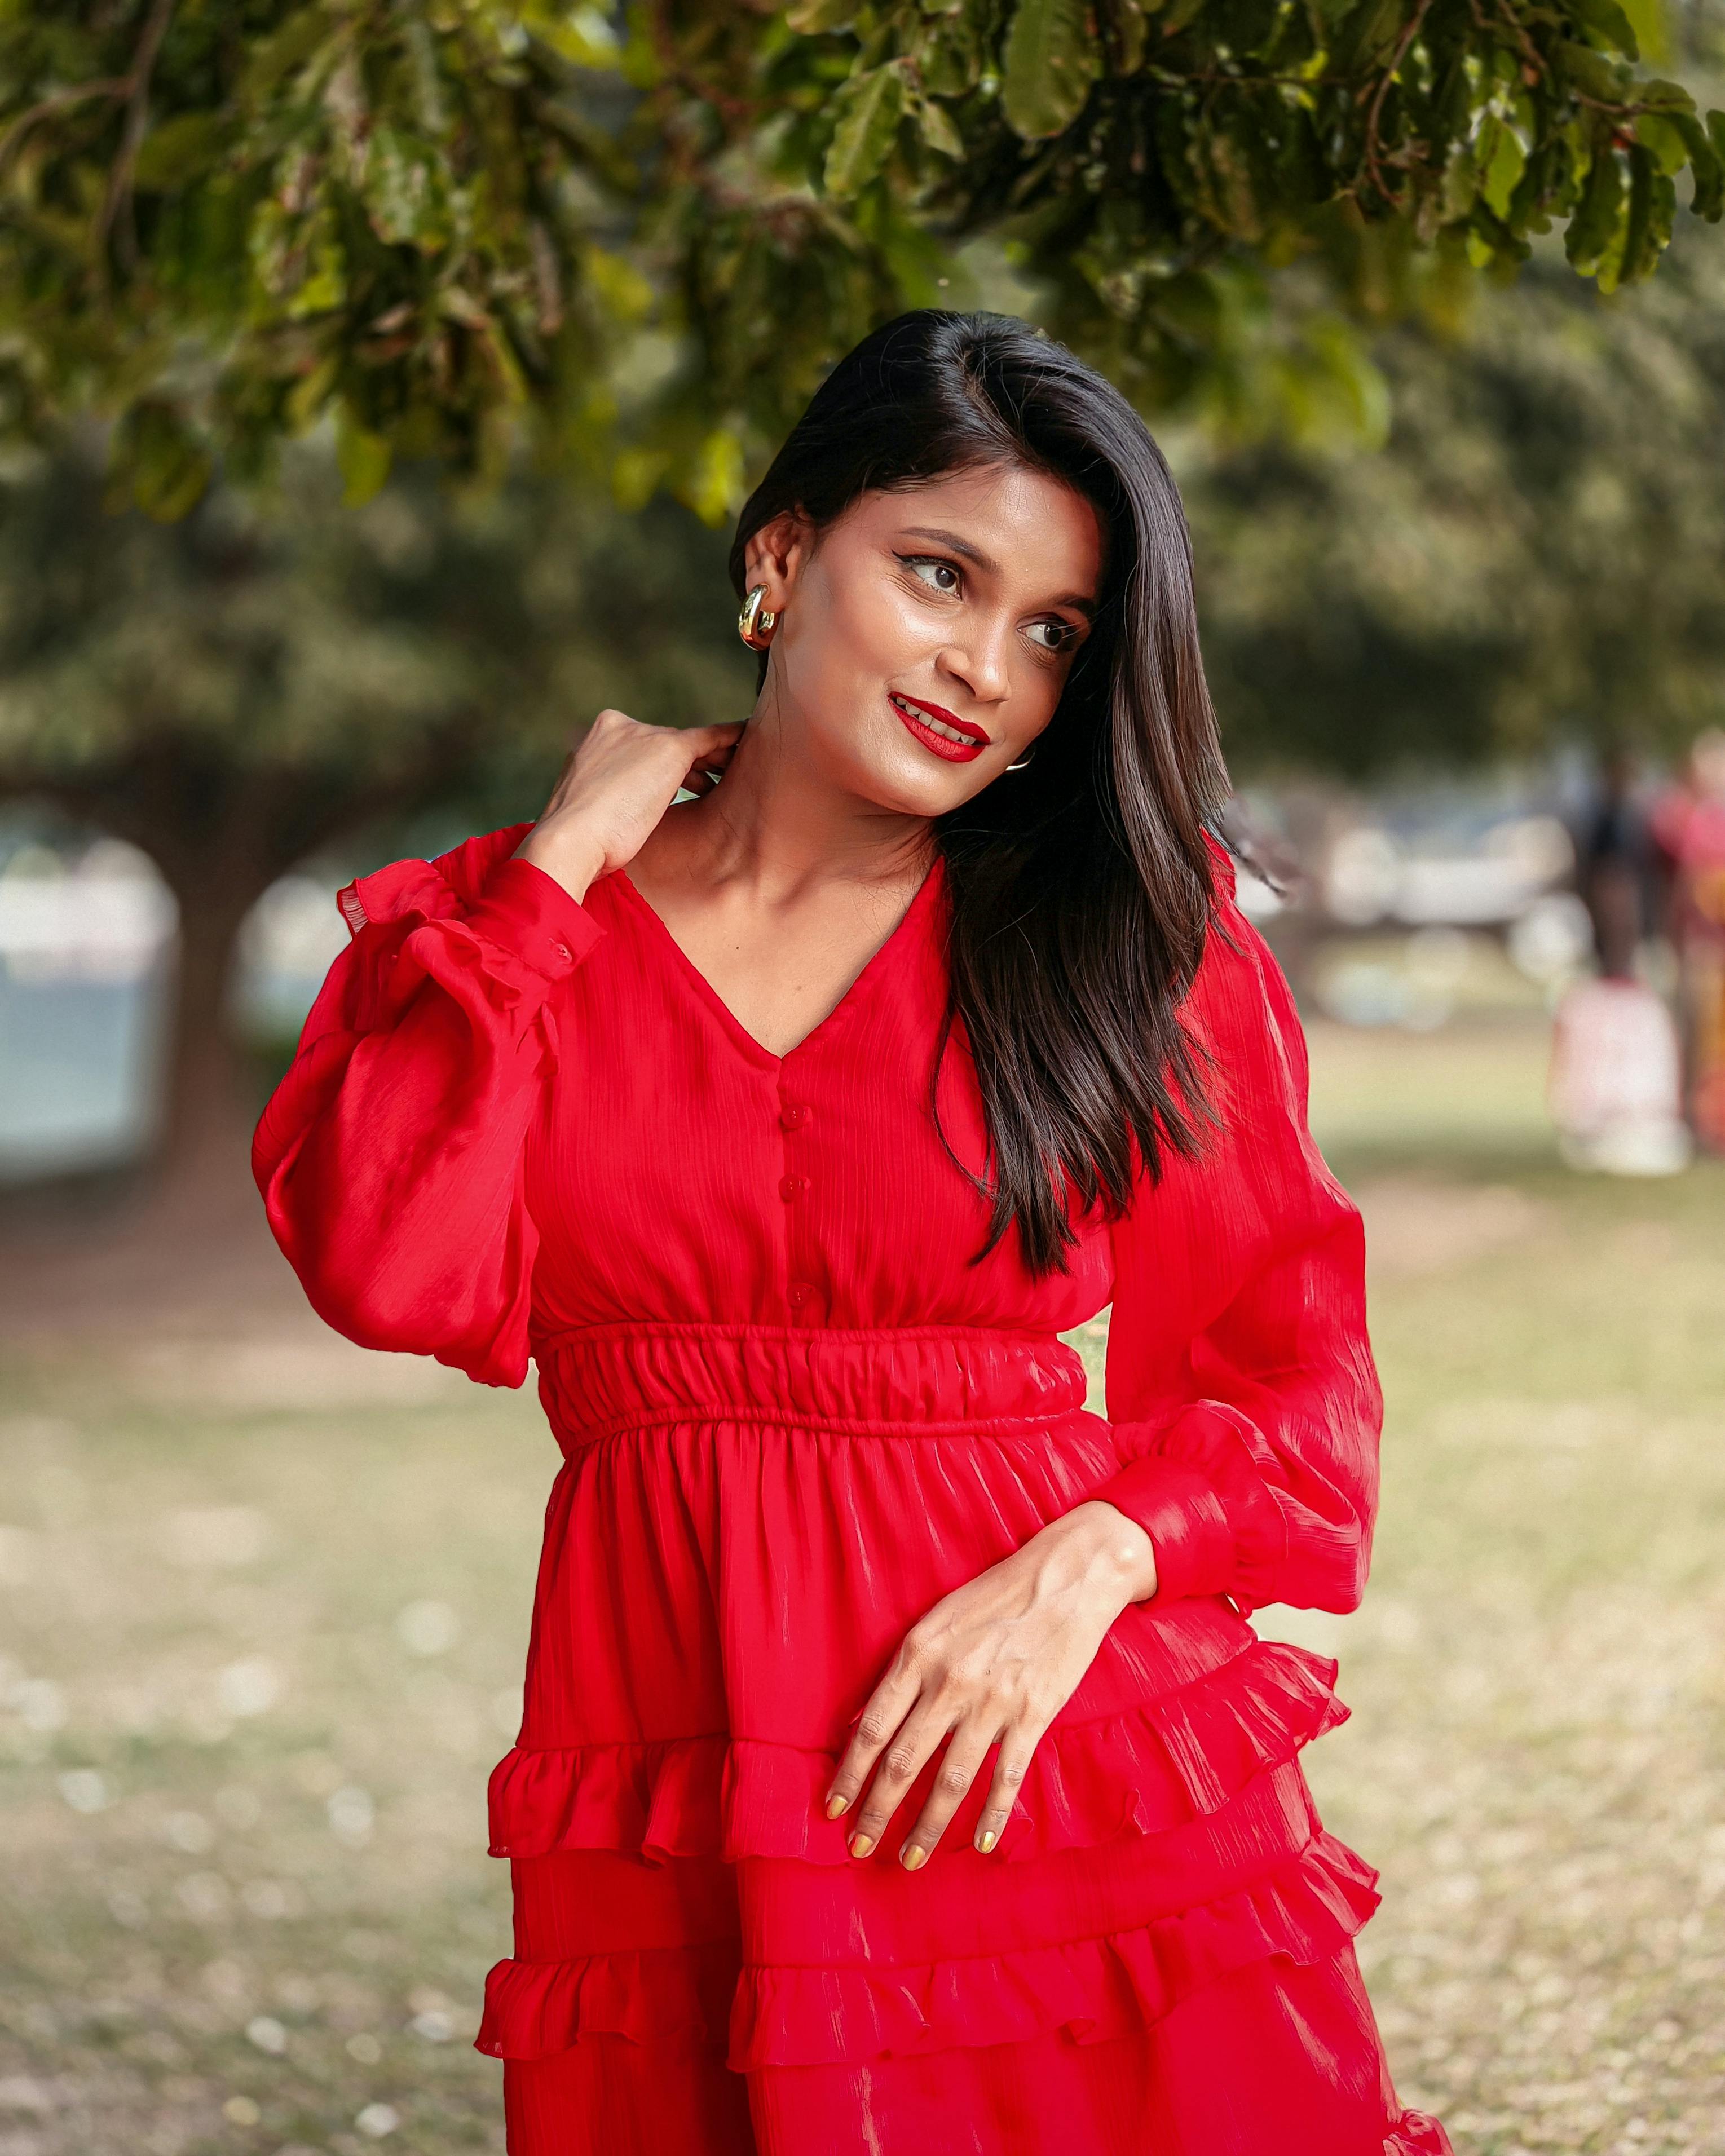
(955, 739)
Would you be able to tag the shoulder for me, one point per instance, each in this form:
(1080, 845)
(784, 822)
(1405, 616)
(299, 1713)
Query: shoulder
(433, 889)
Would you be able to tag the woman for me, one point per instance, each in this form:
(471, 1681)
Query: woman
(898, 1770)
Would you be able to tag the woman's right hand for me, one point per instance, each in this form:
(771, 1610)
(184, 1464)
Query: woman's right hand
(612, 791)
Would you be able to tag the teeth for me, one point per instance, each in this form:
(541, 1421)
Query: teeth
(934, 725)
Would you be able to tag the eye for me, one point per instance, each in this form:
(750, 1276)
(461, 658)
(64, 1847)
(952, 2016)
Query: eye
(939, 574)
(1060, 635)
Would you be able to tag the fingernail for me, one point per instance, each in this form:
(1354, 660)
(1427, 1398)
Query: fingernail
(912, 1858)
(861, 1844)
(987, 1841)
(835, 1805)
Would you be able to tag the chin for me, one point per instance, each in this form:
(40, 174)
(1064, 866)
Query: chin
(918, 793)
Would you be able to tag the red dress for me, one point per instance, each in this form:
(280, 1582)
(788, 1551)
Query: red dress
(793, 1414)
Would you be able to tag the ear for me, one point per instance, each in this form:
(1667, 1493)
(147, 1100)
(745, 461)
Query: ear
(776, 556)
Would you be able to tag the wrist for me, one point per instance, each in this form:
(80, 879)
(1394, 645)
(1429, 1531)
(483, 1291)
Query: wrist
(565, 856)
(1102, 1547)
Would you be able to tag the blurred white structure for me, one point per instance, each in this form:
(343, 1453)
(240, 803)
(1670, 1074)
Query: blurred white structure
(1616, 1080)
(107, 917)
(1459, 877)
(86, 960)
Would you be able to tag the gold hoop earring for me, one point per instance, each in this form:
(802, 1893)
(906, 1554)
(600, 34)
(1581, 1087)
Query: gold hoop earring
(1023, 759)
(756, 623)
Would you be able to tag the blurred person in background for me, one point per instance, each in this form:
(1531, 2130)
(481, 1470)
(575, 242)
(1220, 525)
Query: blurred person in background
(898, 1769)
(1616, 1084)
(1688, 826)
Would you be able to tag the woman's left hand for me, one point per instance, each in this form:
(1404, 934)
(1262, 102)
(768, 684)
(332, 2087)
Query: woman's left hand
(993, 1663)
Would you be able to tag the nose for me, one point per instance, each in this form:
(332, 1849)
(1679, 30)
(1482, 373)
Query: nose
(981, 662)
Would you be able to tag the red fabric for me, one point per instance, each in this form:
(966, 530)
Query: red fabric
(793, 1414)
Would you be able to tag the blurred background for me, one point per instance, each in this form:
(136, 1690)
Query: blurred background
(264, 1597)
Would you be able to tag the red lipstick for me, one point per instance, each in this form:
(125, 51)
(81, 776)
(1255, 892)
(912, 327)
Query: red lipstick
(966, 751)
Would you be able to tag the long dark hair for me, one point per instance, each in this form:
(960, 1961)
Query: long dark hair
(1081, 890)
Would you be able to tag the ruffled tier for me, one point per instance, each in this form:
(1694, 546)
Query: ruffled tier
(1417, 2133)
(1179, 1757)
(1093, 1988)
(656, 1994)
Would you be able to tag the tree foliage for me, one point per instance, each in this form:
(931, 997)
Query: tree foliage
(256, 681)
(650, 230)
(1534, 555)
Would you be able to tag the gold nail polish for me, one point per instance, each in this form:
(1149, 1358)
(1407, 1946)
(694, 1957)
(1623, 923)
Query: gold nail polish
(861, 1844)
(835, 1805)
(914, 1859)
(987, 1841)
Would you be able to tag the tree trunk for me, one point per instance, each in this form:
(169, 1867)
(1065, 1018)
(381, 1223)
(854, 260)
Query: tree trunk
(187, 1245)
(200, 1179)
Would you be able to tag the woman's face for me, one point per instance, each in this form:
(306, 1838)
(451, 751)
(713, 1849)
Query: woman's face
(925, 637)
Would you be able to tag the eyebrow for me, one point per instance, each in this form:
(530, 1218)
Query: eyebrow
(988, 565)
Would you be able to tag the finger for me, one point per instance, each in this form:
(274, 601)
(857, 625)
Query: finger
(889, 1703)
(1017, 1749)
(962, 1763)
(913, 1745)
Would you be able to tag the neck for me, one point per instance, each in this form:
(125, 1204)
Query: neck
(779, 827)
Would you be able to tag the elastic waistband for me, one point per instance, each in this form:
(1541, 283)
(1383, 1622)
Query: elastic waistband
(920, 1381)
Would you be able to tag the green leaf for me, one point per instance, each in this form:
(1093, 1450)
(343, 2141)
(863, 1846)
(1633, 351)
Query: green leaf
(363, 457)
(1651, 21)
(1593, 73)
(181, 149)
(1654, 95)
(1051, 61)
(1131, 30)
(1665, 139)
(714, 488)
(815, 19)
(1647, 230)
(1369, 31)
(1706, 165)
(1590, 229)
(299, 36)
(1607, 18)
(1502, 170)
(938, 131)
(404, 192)
(167, 464)
(869, 108)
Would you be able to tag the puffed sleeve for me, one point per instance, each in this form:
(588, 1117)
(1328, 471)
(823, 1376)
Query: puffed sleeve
(1240, 1385)
(391, 1156)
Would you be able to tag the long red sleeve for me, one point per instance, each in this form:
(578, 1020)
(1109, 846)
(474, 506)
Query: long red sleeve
(390, 1157)
(1251, 1451)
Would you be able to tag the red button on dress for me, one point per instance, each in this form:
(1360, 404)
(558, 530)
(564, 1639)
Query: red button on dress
(473, 1159)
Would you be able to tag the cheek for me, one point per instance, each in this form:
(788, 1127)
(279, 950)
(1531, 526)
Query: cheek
(881, 627)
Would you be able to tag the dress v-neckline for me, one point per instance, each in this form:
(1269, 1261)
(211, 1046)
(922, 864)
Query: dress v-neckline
(872, 966)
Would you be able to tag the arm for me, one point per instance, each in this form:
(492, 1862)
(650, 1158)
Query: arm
(390, 1157)
(1240, 1379)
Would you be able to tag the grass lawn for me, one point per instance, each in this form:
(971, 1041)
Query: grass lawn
(264, 1601)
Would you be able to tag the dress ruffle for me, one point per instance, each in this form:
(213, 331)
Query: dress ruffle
(1094, 1988)
(1417, 2133)
(1179, 1757)
(535, 2009)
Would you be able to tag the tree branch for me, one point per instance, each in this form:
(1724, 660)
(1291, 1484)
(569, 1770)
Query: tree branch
(137, 119)
(116, 85)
